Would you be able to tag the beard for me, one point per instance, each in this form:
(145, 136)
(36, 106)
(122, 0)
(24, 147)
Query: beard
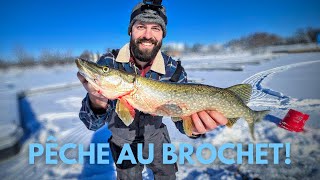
(145, 55)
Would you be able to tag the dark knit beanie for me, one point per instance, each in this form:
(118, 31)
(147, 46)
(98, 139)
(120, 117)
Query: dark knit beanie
(151, 14)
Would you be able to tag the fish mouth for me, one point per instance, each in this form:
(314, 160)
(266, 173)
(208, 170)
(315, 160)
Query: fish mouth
(88, 68)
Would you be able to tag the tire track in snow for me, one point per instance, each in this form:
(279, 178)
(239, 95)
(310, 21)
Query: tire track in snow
(264, 96)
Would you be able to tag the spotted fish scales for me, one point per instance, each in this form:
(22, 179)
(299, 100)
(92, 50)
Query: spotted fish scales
(176, 100)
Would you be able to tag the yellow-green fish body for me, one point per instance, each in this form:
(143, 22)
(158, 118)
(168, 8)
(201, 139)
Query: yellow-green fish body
(177, 100)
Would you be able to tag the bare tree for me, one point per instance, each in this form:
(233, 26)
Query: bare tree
(86, 54)
(4, 64)
(49, 57)
(23, 57)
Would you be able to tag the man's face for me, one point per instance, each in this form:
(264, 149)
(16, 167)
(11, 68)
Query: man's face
(146, 40)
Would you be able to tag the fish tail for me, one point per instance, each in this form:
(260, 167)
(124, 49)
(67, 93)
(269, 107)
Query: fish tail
(257, 117)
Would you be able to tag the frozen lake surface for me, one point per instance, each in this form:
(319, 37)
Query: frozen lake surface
(280, 82)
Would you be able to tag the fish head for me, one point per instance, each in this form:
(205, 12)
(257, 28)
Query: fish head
(110, 82)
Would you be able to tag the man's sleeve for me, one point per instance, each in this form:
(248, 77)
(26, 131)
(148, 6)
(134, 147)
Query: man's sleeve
(92, 121)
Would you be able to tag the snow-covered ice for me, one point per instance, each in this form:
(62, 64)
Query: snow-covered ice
(280, 82)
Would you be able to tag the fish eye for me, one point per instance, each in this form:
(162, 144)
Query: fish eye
(105, 69)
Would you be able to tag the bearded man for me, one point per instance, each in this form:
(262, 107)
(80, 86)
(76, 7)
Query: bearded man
(142, 56)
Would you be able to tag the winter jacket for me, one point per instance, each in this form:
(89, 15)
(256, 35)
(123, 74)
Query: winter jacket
(144, 125)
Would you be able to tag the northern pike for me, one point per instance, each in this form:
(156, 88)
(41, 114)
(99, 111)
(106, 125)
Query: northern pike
(177, 100)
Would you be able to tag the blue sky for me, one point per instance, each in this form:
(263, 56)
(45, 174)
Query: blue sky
(99, 24)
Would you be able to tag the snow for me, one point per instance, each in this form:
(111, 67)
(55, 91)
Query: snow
(280, 82)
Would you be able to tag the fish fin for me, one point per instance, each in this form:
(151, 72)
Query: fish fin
(125, 111)
(251, 129)
(257, 117)
(187, 125)
(231, 122)
(243, 91)
(167, 109)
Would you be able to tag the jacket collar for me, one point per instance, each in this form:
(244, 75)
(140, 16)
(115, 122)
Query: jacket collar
(157, 65)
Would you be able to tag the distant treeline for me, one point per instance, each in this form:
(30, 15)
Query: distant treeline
(48, 58)
(250, 42)
(22, 58)
(263, 39)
